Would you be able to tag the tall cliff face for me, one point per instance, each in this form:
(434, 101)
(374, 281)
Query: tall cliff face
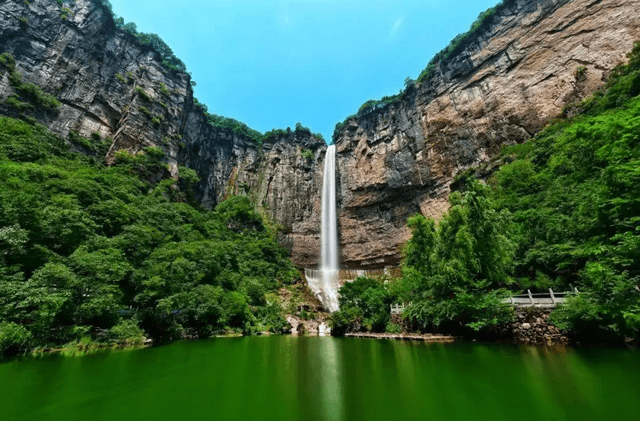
(110, 84)
(103, 77)
(279, 177)
(510, 79)
(507, 80)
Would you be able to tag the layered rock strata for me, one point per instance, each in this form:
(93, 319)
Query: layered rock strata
(112, 87)
(510, 78)
(504, 83)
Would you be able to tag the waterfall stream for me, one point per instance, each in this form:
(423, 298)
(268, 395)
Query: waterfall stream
(326, 285)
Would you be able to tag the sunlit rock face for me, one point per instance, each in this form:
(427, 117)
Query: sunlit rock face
(508, 82)
(102, 77)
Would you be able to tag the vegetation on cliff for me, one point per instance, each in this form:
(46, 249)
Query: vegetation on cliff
(564, 213)
(574, 192)
(93, 253)
(30, 95)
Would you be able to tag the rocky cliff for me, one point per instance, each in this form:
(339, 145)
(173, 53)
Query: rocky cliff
(517, 71)
(113, 88)
(505, 83)
(285, 182)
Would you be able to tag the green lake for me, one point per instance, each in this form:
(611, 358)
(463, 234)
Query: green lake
(324, 378)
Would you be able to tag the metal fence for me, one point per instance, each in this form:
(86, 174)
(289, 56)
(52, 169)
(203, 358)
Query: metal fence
(397, 308)
(544, 299)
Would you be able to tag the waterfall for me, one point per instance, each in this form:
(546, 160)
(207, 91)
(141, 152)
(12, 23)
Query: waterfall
(326, 285)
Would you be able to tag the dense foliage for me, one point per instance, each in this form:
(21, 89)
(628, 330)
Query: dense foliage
(457, 270)
(235, 126)
(255, 136)
(455, 273)
(94, 253)
(364, 304)
(574, 192)
(564, 213)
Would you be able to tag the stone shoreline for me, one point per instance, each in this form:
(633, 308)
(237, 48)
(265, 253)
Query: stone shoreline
(405, 337)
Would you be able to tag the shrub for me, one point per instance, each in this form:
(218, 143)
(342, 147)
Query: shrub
(35, 92)
(307, 154)
(15, 79)
(154, 152)
(8, 61)
(127, 332)
(164, 90)
(145, 111)
(393, 328)
(300, 129)
(364, 303)
(65, 12)
(75, 138)
(14, 338)
(121, 78)
(143, 94)
(231, 124)
(29, 90)
(123, 157)
(14, 101)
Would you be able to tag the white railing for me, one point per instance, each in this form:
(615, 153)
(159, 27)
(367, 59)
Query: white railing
(397, 308)
(545, 299)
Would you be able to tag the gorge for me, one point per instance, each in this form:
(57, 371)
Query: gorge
(502, 84)
(486, 219)
(149, 161)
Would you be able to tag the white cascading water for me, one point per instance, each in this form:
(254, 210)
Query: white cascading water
(325, 283)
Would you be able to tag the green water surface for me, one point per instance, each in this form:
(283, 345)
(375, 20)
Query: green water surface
(314, 378)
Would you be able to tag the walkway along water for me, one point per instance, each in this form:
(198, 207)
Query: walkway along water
(541, 300)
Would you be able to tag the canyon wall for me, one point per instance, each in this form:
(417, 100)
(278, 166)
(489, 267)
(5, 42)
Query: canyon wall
(504, 83)
(511, 77)
(112, 86)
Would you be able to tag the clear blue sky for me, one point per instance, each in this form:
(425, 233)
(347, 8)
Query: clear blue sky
(272, 63)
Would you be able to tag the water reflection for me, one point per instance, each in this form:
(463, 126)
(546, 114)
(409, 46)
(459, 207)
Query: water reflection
(314, 378)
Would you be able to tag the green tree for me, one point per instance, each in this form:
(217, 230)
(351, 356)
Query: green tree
(456, 270)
